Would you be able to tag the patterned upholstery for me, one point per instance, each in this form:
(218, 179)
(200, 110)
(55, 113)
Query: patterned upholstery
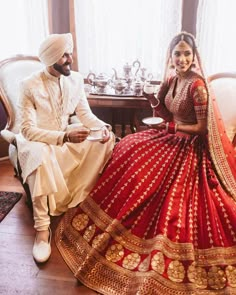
(12, 71)
(224, 87)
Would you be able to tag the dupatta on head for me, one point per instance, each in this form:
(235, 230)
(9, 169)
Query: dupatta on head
(221, 148)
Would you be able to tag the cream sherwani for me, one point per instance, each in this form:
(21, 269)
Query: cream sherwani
(63, 172)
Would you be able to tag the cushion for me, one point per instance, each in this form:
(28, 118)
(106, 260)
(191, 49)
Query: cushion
(225, 92)
(11, 75)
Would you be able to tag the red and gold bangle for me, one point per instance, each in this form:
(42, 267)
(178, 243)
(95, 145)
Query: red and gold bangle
(171, 127)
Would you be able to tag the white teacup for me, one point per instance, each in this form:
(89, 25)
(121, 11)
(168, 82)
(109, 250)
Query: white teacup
(96, 132)
(149, 88)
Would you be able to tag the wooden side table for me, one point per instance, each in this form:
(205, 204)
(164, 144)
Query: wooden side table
(132, 103)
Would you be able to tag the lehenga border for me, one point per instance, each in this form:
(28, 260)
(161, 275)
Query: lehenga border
(175, 251)
(99, 274)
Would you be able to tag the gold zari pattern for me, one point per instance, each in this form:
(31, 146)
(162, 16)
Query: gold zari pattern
(197, 275)
(115, 253)
(131, 261)
(80, 221)
(216, 278)
(231, 275)
(158, 263)
(176, 271)
(100, 242)
(89, 233)
(200, 279)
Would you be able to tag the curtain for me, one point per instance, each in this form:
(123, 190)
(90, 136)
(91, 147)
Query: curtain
(216, 34)
(112, 33)
(23, 26)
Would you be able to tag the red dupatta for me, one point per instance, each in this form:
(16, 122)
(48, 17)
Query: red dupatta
(221, 148)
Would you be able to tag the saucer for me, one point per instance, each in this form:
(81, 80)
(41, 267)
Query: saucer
(152, 120)
(91, 138)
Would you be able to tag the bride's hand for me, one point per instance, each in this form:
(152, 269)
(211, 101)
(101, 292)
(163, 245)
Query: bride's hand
(154, 102)
(160, 126)
(149, 97)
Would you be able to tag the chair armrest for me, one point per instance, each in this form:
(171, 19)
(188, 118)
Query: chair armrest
(9, 136)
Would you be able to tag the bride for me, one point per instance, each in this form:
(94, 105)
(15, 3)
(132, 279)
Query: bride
(162, 217)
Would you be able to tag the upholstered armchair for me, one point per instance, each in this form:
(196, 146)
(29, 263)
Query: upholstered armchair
(224, 87)
(12, 71)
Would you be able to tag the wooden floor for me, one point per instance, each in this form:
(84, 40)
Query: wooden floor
(19, 274)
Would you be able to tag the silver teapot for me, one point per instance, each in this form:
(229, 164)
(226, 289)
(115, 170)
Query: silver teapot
(100, 82)
(119, 85)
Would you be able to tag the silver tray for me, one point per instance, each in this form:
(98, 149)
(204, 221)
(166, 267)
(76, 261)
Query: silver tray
(112, 93)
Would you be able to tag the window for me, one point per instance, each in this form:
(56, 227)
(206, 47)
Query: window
(112, 33)
(23, 26)
(216, 34)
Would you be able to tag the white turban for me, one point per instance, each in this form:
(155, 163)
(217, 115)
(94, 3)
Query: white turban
(53, 48)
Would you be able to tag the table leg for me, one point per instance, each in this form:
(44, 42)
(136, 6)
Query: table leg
(134, 123)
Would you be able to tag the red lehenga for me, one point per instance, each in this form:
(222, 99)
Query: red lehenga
(162, 217)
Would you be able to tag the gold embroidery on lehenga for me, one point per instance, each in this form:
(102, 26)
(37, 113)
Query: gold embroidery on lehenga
(197, 275)
(144, 265)
(158, 263)
(89, 233)
(174, 251)
(176, 271)
(183, 194)
(115, 253)
(195, 214)
(170, 205)
(231, 275)
(80, 221)
(100, 242)
(131, 261)
(229, 224)
(137, 152)
(216, 278)
(208, 225)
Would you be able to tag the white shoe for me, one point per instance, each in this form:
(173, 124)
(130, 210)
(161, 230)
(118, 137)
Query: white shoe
(42, 250)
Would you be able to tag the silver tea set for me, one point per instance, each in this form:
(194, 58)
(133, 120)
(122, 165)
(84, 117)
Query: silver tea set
(129, 84)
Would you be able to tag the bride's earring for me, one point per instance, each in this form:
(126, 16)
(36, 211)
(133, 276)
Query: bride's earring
(171, 65)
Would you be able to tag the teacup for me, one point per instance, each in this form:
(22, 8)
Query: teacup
(149, 88)
(96, 132)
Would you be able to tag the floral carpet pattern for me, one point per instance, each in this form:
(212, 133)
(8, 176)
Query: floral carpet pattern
(7, 202)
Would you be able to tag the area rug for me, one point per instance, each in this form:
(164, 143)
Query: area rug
(7, 202)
